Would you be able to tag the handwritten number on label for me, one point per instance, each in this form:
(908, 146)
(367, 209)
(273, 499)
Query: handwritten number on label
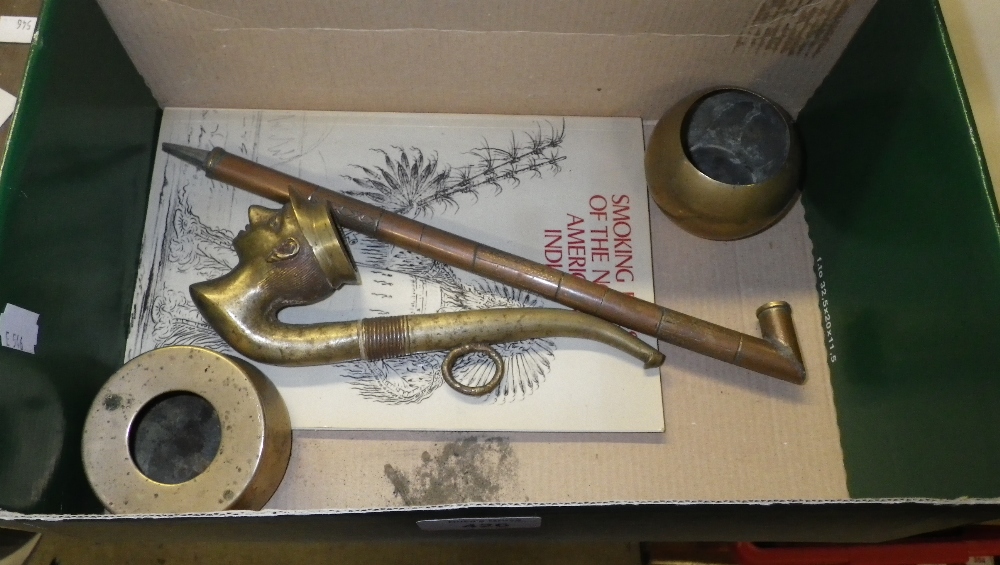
(17, 29)
(14, 341)
(18, 328)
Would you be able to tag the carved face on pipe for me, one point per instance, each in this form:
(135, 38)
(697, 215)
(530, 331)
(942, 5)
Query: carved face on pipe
(273, 235)
(274, 253)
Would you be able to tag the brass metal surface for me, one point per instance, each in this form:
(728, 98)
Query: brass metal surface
(255, 444)
(711, 208)
(767, 356)
(280, 266)
(455, 354)
(328, 245)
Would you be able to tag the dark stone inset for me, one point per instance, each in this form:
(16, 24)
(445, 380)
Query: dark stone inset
(175, 437)
(736, 138)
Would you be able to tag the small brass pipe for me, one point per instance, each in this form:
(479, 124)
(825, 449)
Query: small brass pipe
(766, 356)
(775, 320)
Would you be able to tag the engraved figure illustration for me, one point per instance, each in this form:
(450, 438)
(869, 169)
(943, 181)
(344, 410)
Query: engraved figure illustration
(409, 181)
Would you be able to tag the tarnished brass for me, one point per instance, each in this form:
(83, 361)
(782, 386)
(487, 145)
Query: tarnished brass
(751, 148)
(255, 445)
(280, 265)
(768, 356)
(458, 352)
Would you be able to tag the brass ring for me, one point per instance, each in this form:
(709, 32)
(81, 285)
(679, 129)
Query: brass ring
(458, 352)
(253, 452)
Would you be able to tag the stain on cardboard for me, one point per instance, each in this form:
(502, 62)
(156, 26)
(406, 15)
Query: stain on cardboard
(469, 470)
(800, 28)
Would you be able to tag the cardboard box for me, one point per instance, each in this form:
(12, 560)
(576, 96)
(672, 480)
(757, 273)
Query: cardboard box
(890, 262)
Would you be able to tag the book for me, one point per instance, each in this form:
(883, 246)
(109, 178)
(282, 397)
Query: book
(567, 192)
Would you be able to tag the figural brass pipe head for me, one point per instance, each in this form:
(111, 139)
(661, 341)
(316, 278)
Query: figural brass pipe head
(724, 164)
(296, 247)
(293, 256)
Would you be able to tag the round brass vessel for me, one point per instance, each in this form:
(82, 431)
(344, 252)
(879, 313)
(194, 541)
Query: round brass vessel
(254, 434)
(724, 164)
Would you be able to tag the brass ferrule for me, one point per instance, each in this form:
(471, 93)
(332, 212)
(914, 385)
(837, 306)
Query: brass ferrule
(381, 338)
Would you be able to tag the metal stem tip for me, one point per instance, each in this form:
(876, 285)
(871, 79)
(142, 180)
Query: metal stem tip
(197, 157)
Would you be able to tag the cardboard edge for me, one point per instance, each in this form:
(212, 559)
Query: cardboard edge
(967, 110)
(7, 516)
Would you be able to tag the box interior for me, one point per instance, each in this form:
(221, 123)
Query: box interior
(895, 186)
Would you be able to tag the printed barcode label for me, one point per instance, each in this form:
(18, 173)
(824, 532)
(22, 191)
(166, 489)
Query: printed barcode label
(475, 524)
(16, 29)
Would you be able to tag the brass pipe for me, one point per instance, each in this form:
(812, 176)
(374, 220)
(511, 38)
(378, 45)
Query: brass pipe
(770, 356)
(267, 340)
(296, 256)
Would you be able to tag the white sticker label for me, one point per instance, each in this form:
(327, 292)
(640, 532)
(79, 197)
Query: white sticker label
(476, 524)
(18, 328)
(15, 29)
(7, 101)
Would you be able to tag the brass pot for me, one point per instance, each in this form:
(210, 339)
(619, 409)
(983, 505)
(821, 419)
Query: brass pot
(724, 164)
(252, 433)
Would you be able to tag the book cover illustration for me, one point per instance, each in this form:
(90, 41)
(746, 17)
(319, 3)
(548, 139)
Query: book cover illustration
(551, 189)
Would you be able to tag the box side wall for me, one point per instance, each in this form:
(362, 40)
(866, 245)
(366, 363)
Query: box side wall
(556, 57)
(903, 219)
(73, 190)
